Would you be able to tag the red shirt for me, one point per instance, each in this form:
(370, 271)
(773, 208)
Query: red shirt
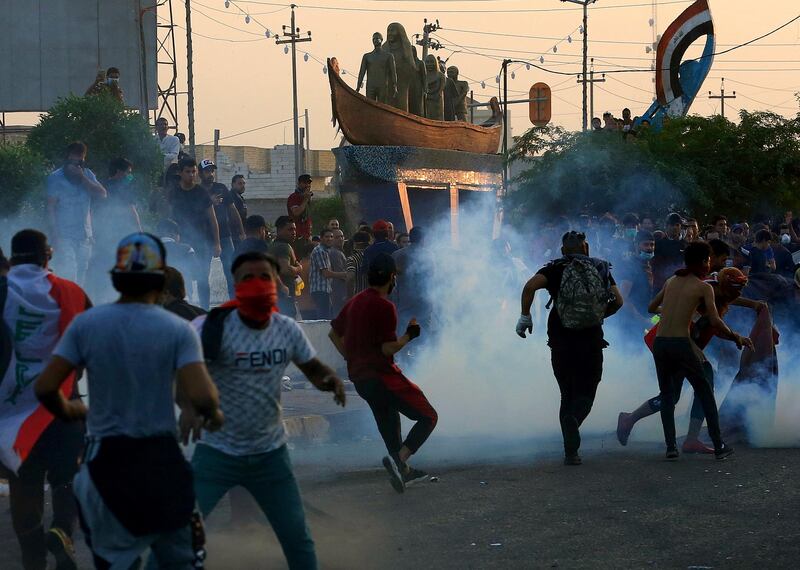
(303, 221)
(366, 322)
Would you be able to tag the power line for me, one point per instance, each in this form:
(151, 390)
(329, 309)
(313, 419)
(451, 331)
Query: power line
(251, 130)
(447, 11)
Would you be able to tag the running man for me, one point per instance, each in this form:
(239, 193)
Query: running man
(584, 293)
(728, 286)
(676, 356)
(34, 447)
(134, 487)
(364, 333)
(248, 346)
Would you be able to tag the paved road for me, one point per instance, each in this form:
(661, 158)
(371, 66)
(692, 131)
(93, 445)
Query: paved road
(624, 508)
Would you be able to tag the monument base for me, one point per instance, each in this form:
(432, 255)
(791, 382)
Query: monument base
(412, 186)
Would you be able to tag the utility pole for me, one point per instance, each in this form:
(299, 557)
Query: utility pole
(293, 37)
(426, 44)
(189, 76)
(585, 4)
(722, 97)
(505, 125)
(591, 82)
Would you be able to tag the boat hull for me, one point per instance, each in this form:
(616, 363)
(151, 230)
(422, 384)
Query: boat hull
(367, 122)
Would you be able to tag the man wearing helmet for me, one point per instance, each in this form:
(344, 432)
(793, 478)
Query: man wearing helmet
(727, 283)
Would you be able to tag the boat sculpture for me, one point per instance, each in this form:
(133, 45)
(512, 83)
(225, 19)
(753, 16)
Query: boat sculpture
(367, 122)
(678, 82)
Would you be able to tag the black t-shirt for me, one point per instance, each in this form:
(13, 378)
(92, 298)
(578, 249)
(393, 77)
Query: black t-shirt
(221, 209)
(241, 205)
(640, 275)
(558, 336)
(189, 211)
(668, 258)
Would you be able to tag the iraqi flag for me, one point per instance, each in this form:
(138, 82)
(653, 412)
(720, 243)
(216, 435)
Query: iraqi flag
(38, 308)
(692, 24)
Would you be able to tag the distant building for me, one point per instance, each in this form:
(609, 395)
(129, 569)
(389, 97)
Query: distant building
(14, 133)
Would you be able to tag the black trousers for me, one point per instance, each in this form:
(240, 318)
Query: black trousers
(578, 370)
(392, 395)
(54, 458)
(675, 360)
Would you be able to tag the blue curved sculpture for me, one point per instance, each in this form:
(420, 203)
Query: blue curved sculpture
(678, 82)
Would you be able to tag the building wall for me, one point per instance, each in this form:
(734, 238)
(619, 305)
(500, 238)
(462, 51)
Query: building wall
(269, 174)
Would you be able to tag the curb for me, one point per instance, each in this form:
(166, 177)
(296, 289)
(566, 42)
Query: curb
(319, 428)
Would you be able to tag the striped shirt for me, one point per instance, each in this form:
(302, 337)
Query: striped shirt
(354, 265)
(320, 259)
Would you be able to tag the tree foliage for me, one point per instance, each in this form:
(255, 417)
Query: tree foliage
(22, 175)
(697, 165)
(108, 130)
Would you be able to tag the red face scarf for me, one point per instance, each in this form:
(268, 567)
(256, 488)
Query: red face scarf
(256, 300)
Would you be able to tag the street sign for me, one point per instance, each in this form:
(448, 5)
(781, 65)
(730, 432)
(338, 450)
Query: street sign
(540, 106)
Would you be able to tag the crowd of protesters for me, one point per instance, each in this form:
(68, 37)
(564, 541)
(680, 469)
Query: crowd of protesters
(223, 366)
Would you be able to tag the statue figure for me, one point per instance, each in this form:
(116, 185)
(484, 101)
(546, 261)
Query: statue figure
(459, 94)
(450, 94)
(410, 71)
(435, 82)
(378, 65)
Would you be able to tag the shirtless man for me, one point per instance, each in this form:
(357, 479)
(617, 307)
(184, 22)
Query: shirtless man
(676, 356)
(727, 287)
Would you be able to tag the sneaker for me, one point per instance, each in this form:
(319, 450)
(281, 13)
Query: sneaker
(672, 454)
(624, 427)
(413, 476)
(723, 452)
(572, 435)
(61, 547)
(573, 460)
(394, 474)
(696, 446)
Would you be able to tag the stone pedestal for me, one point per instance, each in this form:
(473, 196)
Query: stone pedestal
(411, 186)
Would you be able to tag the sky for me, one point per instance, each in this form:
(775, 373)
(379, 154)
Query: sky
(243, 80)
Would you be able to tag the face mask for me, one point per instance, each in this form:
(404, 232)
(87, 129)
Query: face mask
(786, 239)
(646, 255)
(258, 299)
(630, 234)
(112, 80)
(129, 178)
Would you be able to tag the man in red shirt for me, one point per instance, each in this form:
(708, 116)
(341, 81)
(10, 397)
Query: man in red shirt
(364, 333)
(299, 207)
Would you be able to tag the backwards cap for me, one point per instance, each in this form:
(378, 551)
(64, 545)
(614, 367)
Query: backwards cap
(140, 253)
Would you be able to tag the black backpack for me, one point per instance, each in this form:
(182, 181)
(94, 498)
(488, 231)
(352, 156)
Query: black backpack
(211, 334)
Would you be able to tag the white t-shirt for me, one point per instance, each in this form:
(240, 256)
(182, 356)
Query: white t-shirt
(248, 375)
(170, 148)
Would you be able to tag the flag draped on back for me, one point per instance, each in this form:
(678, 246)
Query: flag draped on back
(38, 308)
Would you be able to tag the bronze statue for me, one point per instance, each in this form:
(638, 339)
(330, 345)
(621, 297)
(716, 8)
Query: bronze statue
(458, 94)
(450, 95)
(434, 94)
(410, 71)
(378, 65)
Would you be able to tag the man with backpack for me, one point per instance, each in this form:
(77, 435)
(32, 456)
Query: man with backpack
(584, 293)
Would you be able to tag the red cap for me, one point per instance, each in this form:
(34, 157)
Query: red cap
(380, 226)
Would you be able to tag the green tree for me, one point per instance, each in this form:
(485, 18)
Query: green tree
(22, 175)
(107, 128)
(699, 165)
(326, 209)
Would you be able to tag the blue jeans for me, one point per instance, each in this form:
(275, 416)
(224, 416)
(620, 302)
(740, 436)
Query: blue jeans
(269, 479)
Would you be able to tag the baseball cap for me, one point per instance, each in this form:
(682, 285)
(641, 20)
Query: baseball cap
(644, 235)
(207, 164)
(383, 264)
(380, 226)
(304, 178)
(732, 277)
(140, 253)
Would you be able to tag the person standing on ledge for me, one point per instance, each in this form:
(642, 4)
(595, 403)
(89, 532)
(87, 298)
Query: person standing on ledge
(298, 205)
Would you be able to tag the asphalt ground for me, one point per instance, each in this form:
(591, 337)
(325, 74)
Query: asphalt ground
(514, 505)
